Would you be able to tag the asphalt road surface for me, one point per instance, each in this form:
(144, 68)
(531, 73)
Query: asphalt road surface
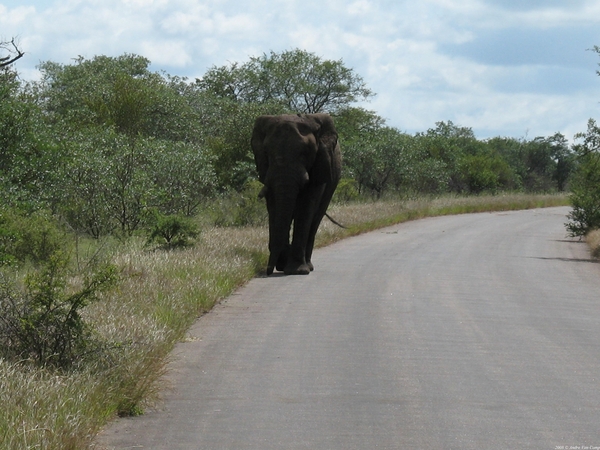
(478, 331)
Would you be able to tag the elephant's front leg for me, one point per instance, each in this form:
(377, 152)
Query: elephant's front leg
(306, 207)
(279, 234)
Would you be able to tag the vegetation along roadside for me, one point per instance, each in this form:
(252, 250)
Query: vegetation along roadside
(159, 295)
(128, 208)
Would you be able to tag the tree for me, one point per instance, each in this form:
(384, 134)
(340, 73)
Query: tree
(297, 79)
(446, 144)
(26, 154)
(379, 160)
(540, 165)
(229, 98)
(183, 177)
(485, 172)
(120, 92)
(353, 122)
(511, 150)
(227, 128)
(13, 50)
(131, 141)
(14, 123)
(564, 160)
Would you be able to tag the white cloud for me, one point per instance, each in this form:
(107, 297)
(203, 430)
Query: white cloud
(171, 53)
(16, 16)
(428, 61)
(146, 3)
(359, 8)
(239, 24)
(191, 21)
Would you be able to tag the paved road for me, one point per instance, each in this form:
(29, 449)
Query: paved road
(477, 331)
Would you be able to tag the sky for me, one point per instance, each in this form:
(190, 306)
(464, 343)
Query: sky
(511, 68)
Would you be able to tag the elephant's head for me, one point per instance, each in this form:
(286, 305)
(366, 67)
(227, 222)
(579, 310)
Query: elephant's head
(293, 154)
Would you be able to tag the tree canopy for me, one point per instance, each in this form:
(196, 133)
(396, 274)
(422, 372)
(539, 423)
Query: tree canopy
(297, 79)
(107, 144)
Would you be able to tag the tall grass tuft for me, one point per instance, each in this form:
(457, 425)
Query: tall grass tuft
(593, 240)
(42, 409)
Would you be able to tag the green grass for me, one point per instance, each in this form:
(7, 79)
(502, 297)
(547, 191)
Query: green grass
(160, 295)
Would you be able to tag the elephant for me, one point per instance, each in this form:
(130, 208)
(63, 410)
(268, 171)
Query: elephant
(299, 161)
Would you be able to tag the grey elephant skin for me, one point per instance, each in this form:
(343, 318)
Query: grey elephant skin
(299, 162)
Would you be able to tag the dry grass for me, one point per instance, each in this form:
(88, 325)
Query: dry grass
(593, 240)
(49, 411)
(161, 294)
(363, 217)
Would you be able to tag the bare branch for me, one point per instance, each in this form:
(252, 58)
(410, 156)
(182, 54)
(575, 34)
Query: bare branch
(14, 51)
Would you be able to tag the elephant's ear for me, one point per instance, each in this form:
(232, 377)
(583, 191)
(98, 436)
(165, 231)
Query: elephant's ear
(325, 167)
(257, 142)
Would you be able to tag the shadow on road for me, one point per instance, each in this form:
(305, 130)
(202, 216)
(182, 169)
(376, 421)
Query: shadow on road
(578, 260)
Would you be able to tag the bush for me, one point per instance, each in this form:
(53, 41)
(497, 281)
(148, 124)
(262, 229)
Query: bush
(42, 321)
(7, 240)
(240, 209)
(32, 238)
(250, 209)
(585, 199)
(172, 231)
(346, 191)
(585, 186)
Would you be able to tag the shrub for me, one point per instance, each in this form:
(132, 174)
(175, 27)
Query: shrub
(42, 321)
(585, 199)
(346, 191)
(585, 186)
(172, 231)
(240, 209)
(250, 209)
(32, 238)
(7, 240)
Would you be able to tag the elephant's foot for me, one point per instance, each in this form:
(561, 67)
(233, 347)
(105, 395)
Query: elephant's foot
(297, 269)
(278, 260)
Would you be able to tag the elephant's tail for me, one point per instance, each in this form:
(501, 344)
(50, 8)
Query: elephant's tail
(335, 222)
